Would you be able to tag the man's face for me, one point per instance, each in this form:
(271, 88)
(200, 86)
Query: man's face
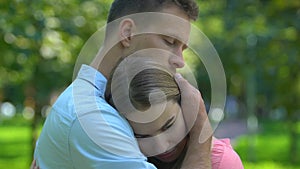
(169, 32)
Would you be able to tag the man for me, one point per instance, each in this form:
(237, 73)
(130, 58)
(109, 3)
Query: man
(83, 130)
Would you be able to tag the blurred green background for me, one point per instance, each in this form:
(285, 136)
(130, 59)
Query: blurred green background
(258, 42)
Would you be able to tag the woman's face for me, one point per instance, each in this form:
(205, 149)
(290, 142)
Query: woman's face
(163, 137)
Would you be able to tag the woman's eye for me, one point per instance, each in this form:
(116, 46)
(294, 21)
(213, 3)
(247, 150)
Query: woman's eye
(138, 136)
(141, 136)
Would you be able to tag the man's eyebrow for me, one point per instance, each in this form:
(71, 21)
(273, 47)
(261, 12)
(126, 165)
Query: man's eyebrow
(185, 41)
(176, 37)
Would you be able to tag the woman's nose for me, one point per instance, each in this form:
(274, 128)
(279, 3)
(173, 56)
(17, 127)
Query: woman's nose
(161, 143)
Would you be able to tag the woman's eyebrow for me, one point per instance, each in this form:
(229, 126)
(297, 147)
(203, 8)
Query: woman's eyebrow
(171, 120)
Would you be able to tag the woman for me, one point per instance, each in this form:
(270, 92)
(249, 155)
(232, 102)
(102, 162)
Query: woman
(164, 138)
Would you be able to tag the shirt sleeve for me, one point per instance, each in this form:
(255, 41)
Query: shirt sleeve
(106, 142)
(223, 155)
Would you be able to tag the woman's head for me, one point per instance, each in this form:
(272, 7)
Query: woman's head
(148, 82)
(144, 91)
(164, 136)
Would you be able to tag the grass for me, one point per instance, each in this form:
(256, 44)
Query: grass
(15, 144)
(268, 149)
(269, 165)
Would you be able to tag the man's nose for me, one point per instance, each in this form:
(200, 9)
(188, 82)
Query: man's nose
(176, 60)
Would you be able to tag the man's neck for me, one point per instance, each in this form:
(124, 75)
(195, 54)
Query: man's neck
(106, 61)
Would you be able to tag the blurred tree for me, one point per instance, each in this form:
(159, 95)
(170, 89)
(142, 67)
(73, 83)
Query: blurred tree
(40, 42)
(258, 42)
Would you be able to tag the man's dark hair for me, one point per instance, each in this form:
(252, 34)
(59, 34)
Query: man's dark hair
(120, 8)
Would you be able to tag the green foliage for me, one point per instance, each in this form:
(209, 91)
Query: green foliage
(269, 148)
(268, 165)
(258, 43)
(15, 146)
(39, 43)
(259, 35)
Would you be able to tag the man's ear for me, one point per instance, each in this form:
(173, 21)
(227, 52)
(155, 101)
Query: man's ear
(126, 31)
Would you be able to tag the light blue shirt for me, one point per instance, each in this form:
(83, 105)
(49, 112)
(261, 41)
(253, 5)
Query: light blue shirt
(83, 131)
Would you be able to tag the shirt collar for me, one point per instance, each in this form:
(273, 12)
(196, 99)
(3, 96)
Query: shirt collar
(94, 77)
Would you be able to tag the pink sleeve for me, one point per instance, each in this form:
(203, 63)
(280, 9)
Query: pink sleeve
(223, 156)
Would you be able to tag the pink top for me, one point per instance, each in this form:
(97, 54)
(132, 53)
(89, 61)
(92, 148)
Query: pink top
(223, 156)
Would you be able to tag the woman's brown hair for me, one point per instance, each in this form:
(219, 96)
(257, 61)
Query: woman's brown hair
(150, 81)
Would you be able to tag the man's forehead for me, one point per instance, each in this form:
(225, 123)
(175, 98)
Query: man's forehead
(164, 24)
